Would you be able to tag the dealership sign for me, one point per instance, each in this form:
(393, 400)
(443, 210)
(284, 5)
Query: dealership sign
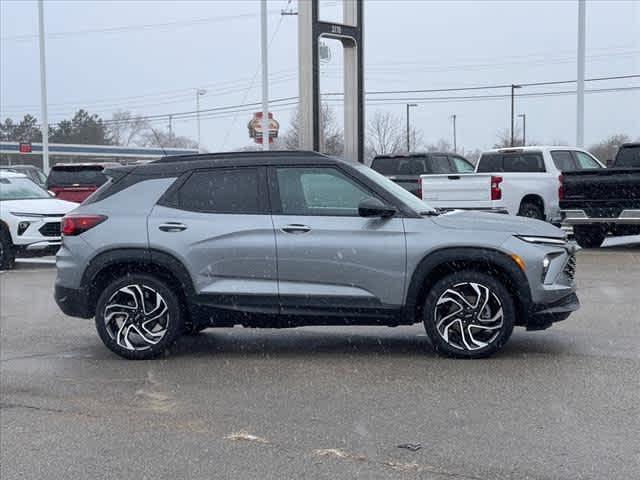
(255, 127)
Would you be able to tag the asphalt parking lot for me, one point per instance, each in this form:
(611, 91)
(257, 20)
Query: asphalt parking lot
(324, 402)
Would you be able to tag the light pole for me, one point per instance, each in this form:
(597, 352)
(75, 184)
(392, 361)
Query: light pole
(513, 97)
(523, 116)
(199, 92)
(455, 138)
(409, 105)
(265, 74)
(582, 14)
(43, 91)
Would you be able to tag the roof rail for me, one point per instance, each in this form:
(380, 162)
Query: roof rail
(240, 154)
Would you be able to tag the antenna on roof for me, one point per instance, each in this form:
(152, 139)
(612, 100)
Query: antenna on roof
(155, 134)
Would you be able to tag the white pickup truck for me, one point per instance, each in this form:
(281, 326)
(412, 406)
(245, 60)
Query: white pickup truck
(525, 181)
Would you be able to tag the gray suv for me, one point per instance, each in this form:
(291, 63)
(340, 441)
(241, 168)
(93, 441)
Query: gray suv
(289, 239)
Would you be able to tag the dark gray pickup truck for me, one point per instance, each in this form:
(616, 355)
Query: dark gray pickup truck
(405, 168)
(604, 201)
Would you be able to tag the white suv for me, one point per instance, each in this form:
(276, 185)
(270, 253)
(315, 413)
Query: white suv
(29, 218)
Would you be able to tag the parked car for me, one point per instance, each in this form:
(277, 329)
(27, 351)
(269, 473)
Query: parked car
(76, 181)
(521, 181)
(405, 168)
(31, 171)
(602, 202)
(287, 239)
(29, 218)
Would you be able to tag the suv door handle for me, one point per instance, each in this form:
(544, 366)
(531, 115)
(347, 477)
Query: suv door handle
(172, 227)
(453, 177)
(295, 228)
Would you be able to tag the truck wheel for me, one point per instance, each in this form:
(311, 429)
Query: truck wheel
(468, 314)
(7, 252)
(138, 317)
(531, 210)
(589, 236)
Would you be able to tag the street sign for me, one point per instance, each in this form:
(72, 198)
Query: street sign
(255, 127)
(25, 147)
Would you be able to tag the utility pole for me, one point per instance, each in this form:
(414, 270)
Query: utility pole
(171, 126)
(265, 75)
(43, 91)
(199, 93)
(523, 116)
(582, 15)
(409, 105)
(513, 99)
(455, 139)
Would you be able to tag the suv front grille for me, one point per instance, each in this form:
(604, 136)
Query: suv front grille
(570, 267)
(51, 229)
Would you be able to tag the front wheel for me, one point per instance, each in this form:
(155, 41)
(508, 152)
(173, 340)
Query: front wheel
(138, 317)
(468, 314)
(589, 236)
(7, 252)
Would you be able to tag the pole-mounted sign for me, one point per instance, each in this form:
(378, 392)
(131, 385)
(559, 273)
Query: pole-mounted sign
(350, 33)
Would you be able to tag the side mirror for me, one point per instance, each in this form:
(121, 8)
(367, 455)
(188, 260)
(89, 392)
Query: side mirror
(372, 207)
(609, 162)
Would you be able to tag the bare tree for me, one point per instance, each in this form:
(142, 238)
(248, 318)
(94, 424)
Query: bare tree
(127, 129)
(441, 145)
(332, 135)
(504, 139)
(384, 134)
(164, 139)
(606, 149)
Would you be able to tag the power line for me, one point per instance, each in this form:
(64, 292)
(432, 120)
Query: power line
(130, 28)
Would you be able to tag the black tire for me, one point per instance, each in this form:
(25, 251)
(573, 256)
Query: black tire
(589, 236)
(7, 252)
(116, 297)
(531, 210)
(493, 334)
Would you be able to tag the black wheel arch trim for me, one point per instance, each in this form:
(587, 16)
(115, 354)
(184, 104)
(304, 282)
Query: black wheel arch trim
(141, 256)
(491, 258)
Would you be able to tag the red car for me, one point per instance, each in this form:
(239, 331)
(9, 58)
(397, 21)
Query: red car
(76, 181)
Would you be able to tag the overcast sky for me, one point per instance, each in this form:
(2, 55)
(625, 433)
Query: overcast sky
(150, 56)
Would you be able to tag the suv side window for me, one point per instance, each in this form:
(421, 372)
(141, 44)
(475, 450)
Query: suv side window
(461, 165)
(563, 160)
(440, 164)
(585, 161)
(319, 191)
(221, 191)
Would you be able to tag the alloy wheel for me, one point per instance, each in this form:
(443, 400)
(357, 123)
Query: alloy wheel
(469, 316)
(136, 317)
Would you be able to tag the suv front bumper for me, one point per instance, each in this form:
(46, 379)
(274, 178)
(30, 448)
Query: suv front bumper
(542, 316)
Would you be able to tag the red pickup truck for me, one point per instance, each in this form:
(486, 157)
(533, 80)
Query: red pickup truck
(76, 181)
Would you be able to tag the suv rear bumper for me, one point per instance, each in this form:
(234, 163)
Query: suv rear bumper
(73, 302)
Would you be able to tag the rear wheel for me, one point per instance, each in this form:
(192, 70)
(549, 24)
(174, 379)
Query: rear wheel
(138, 317)
(7, 252)
(531, 210)
(589, 236)
(468, 314)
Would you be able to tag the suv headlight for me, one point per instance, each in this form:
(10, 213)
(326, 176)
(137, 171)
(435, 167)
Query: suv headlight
(560, 242)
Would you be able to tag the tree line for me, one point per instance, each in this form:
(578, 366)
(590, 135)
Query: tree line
(385, 134)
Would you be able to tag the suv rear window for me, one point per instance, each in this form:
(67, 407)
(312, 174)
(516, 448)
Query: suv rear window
(628, 157)
(399, 165)
(511, 162)
(76, 175)
(221, 191)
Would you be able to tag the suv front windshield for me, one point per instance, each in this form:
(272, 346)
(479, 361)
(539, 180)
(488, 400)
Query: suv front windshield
(20, 189)
(628, 157)
(407, 197)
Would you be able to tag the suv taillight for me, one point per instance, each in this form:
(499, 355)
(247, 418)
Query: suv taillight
(76, 224)
(496, 193)
(561, 187)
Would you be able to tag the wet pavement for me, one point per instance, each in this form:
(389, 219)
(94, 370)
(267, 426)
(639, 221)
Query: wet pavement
(330, 402)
